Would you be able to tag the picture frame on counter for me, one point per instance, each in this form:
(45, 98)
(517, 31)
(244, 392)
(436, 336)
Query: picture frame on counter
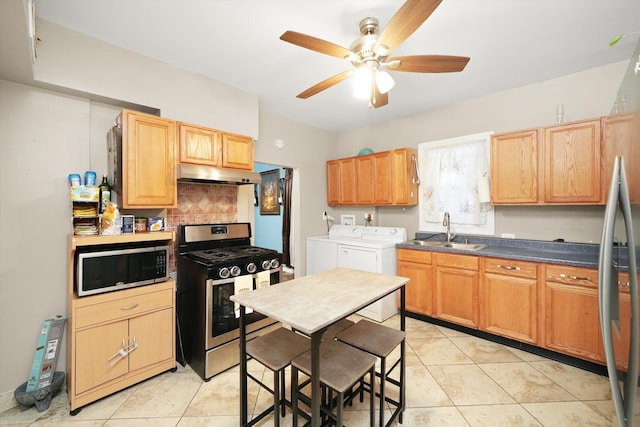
(270, 192)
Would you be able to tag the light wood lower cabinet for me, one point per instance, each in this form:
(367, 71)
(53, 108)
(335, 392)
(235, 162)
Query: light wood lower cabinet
(456, 289)
(416, 265)
(508, 300)
(118, 339)
(571, 318)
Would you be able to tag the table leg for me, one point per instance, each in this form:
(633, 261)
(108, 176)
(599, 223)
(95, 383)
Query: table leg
(315, 378)
(402, 353)
(243, 369)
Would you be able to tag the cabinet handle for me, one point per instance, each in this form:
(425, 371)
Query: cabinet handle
(568, 276)
(508, 267)
(129, 307)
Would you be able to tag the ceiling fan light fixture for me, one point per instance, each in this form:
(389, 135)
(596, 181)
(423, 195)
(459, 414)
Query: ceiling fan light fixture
(362, 83)
(384, 81)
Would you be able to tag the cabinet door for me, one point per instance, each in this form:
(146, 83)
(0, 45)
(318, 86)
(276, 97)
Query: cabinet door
(383, 178)
(333, 182)
(365, 171)
(572, 320)
(514, 168)
(237, 151)
(200, 145)
(572, 163)
(149, 145)
(348, 181)
(95, 348)
(404, 189)
(456, 297)
(153, 333)
(419, 289)
(620, 138)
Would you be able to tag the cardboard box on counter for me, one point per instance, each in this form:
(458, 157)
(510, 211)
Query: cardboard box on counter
(155, 223)
(82, 193)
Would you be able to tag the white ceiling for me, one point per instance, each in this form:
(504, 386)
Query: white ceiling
(511, 43)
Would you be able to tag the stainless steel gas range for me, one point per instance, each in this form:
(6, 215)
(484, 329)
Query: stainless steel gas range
(216, 261)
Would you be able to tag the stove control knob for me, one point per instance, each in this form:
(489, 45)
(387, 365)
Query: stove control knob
(235, 271)
(266, 264)
(251, 268)
(275, 263)
(223, 272)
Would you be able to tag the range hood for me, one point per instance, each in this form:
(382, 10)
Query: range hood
(216, 175)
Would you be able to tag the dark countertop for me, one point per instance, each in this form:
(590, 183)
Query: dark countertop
(573, 254)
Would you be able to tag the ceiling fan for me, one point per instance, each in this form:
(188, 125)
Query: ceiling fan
(369, 54)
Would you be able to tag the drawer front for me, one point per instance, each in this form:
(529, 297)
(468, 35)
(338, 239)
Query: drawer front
(568, 275)
(510, 267)
(121, 308)
(467, 262)
(409, 255)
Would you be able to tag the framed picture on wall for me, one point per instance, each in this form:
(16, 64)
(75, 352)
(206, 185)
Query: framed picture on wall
(270, 192)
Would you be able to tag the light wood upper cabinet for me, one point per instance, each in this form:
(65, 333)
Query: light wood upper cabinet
(383, 178)
(148, 161)
(558, 165)
(620, 138)
(514, 167)
(365, 175)
(509, 299)
(204, 146)
(333, 182)
(237, 151)
(572, 163)
(200, 145)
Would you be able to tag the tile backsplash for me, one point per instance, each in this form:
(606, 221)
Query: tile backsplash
(202, 204)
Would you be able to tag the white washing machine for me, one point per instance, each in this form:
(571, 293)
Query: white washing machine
(362, 248)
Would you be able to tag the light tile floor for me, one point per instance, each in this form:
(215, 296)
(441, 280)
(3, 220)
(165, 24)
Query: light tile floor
(453, 379)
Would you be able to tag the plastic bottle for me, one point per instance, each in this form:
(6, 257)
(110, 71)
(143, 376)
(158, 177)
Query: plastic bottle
(105, 193)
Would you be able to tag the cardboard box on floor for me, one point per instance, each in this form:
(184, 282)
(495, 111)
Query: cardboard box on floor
(46, 356)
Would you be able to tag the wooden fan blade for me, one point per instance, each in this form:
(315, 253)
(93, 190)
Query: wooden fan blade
(325, 84)
(316, 44)
(379, 99)
(406, 20)
(428, 63)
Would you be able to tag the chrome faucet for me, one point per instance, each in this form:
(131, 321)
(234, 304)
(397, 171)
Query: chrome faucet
(447, 223)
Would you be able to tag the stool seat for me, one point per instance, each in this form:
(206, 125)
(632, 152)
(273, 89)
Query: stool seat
(340, 365)
(277, 349)
(372, 337)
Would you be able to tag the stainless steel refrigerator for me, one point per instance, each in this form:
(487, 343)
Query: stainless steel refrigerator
(617, 297)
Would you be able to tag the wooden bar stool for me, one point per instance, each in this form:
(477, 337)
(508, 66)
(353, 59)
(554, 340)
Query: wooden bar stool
(341, 367)
(379, 340)
(275, 351)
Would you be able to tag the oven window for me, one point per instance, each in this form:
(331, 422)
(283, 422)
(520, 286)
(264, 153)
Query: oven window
(224, 317)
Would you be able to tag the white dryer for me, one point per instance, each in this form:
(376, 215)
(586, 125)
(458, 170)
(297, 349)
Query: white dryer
(363, 248)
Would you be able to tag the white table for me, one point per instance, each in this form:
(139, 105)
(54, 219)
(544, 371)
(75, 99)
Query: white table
(309, 305)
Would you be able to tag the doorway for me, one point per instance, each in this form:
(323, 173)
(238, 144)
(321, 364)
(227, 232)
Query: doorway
(275, 228)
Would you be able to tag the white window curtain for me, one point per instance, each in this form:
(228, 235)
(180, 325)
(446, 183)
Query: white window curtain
(455, 179)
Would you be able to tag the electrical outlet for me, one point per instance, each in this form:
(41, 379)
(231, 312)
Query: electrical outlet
(508, 235)
(325, 216)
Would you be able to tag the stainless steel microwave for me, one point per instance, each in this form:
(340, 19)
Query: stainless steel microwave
(119, 267)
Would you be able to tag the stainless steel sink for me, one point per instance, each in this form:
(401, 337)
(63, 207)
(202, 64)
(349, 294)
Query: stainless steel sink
(450, 245)
(465, 246)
